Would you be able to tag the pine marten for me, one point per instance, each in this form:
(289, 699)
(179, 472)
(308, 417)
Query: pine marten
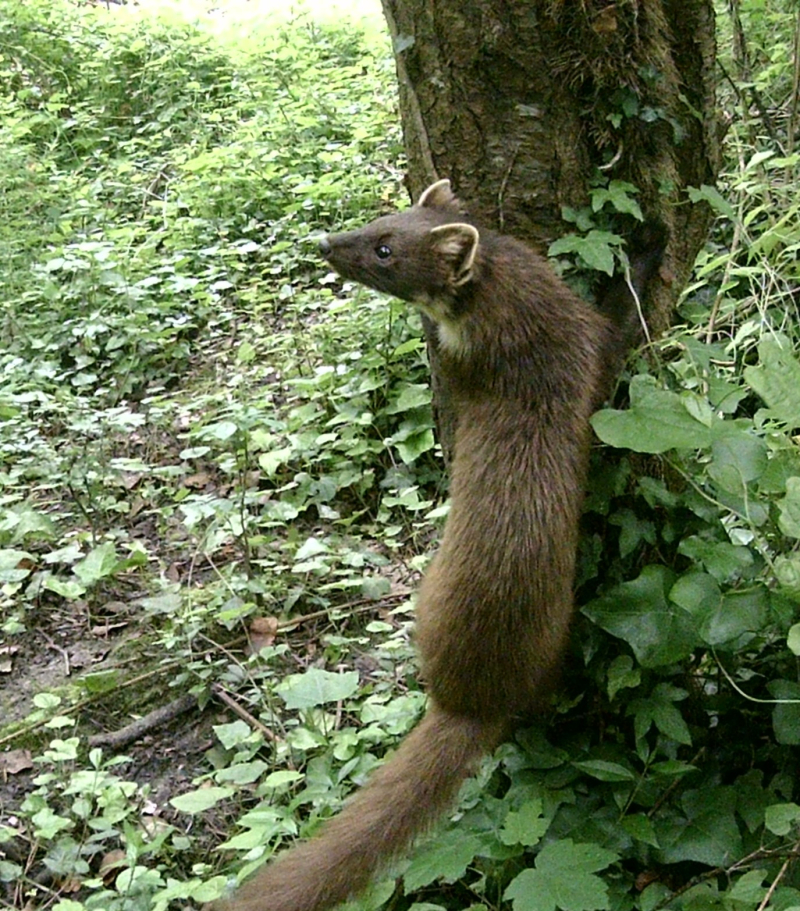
(527, 361)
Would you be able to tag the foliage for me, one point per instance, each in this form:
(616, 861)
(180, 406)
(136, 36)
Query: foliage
(203, 434)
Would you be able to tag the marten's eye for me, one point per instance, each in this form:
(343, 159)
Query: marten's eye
(382, 251)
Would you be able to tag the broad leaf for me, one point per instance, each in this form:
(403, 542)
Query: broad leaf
(777, 378)
(316, 687)
(656, 421)
(658, 631)
(563, 878)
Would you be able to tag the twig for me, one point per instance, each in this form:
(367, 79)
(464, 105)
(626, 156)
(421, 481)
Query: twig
(57, 648)
(354, 607)
(675, 782)
(501, 217)
(747, 696)
(759, 854)
(222, 694)
(136, 729)
(27, 729)
(774, 884)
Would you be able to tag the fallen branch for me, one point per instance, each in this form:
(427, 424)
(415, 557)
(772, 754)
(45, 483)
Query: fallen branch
(136, 729)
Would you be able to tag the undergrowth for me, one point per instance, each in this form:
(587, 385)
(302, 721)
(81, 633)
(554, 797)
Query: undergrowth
(206, 439)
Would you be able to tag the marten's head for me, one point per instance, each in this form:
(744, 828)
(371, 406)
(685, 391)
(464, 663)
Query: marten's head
(423, 255)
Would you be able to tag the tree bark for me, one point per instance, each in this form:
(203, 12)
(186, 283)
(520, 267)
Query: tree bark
(525, 104)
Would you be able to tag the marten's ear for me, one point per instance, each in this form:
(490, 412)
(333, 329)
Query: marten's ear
(457, 244)
(439, 196)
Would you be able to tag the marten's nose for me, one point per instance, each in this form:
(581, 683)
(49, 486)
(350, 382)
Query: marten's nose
(325, 246)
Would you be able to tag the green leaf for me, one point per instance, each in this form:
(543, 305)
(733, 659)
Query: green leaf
(221, 431)
(98, 564)
(445, 857)
(12, 565)
(70, 589)
(789, 507)
(414, 445)
(201, 799)
(781, 817)
(721, 558)
(595, 249)
(47, 824)
(641, 828)
(740, 616)
(281, 779)
(738, 457)
(777, 378)
(312, 547)
(620, 194)
(165, 603)
(714, 198)
(720, 619)
(525, 826)
(707, 831)
(605, 771)
(660, 711)
(563, 878)
(411, 395)
(621, 674)
(656, 421)
(232, 734)
(697, 593)
(670, 723)
(270, 462)
(658, 631)
(242, 772)
(316, 687)
(793, 639)
(748, 888)
(786, 714)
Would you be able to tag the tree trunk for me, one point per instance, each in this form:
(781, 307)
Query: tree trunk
(525, 104)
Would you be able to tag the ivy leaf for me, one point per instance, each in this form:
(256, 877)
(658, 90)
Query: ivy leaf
(316, 687)
(619, 194)
(656, 421)
(658, 631)
(706, 833)
(720, 558)
(414, 445)
(595, 249)
(563, 878)
(660, 711)
(411, 395)
(720, 619)
(641, 828)
(621, 674)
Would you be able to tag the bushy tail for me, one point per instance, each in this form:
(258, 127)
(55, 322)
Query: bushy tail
(379, 823)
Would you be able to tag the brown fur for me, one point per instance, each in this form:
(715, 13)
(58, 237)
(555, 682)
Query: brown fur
(526, 359)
